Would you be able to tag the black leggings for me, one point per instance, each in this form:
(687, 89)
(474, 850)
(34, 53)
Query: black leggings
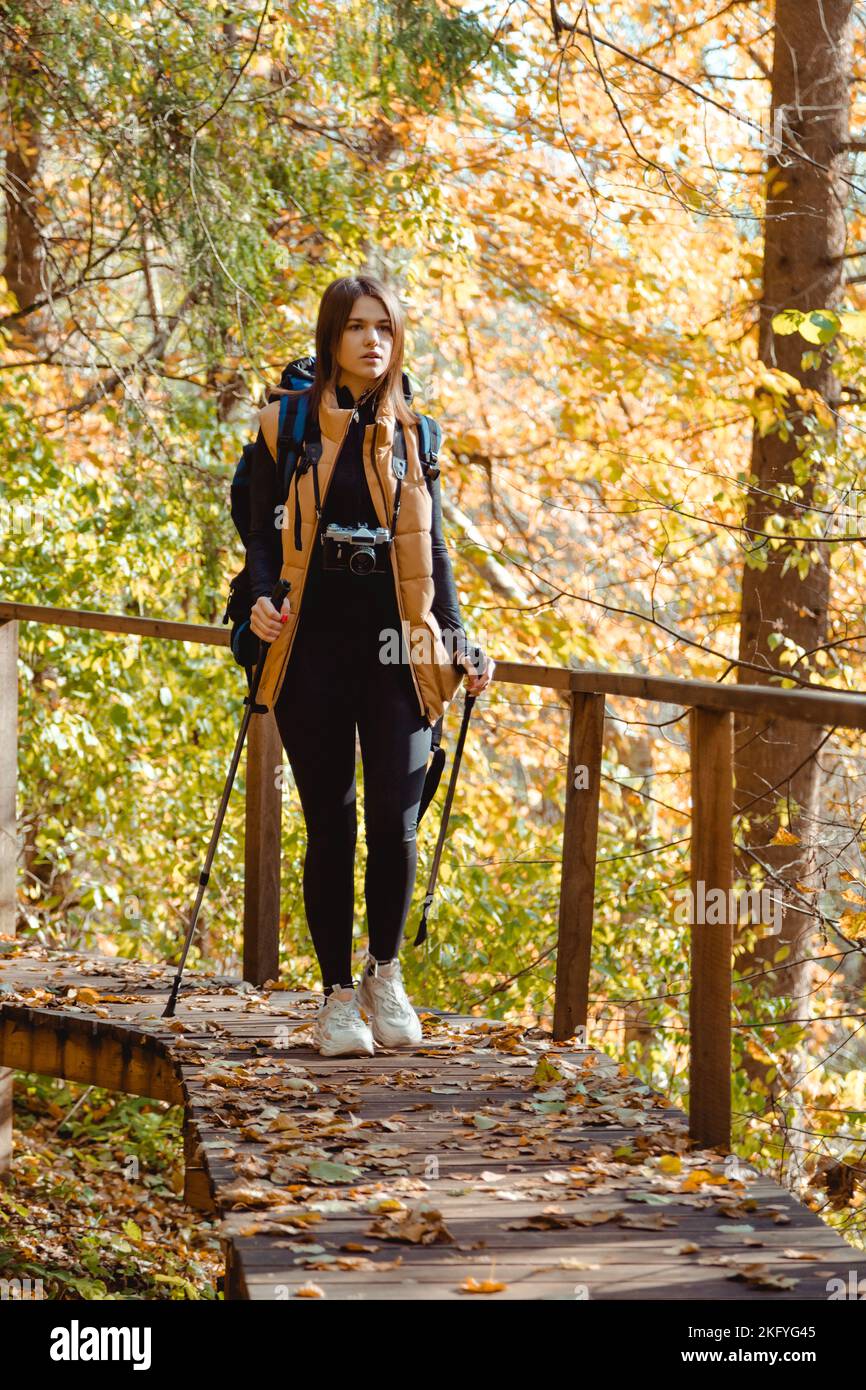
(333, 683)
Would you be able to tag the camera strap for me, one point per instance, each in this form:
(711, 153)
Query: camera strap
(310, 458)
(398, 468)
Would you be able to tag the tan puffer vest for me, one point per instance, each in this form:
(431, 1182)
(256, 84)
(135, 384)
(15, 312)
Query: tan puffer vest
(435, 677)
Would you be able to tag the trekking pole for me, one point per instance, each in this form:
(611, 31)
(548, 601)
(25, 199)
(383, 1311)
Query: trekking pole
(468, 702)
(282, 588)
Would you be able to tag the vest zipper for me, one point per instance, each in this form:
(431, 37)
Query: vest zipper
(354, 416)
(404, 624)
(303, 585)
(319, 501)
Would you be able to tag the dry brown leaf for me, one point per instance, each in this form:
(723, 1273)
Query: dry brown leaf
(760, 1277)
(421, 1226)
(646, 1221)
(250, 1194)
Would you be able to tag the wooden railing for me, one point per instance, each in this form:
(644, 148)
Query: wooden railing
(711, 762)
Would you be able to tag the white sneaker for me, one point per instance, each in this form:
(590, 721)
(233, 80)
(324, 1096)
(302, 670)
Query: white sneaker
(339, 1029)
(383, 998)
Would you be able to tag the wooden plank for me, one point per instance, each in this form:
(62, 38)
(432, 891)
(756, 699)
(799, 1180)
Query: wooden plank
(577, 887)
(6, 1112)
(197, 1191)
(235, 1288)
(92, 1051)
(711, 737)
(566, 1161)
(262, 850)
(8, 776)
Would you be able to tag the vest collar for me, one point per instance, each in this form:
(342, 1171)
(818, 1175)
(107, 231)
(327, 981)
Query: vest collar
(333, 416)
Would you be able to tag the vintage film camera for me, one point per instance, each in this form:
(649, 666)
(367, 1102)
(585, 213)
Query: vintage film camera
(359, 549)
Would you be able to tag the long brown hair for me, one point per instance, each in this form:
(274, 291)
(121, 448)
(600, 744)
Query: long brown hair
(334, 312)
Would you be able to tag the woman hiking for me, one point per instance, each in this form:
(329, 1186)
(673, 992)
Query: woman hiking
(370, 637)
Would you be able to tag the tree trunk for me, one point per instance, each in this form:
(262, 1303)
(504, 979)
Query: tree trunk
(803, 269)
(23, 261)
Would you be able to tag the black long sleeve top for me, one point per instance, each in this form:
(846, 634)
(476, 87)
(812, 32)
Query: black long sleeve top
(348, 503)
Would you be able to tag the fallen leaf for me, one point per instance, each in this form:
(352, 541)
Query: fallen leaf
(471, 1285)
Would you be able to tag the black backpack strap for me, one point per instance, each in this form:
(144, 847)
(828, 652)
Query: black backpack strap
(398, 468)
(434, 771)
(310, 459)
(429, 444)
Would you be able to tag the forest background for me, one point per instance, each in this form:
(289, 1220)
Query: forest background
(629, 240)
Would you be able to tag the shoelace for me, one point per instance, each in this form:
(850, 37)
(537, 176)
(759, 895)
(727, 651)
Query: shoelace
(393, 995)
(344, 1009)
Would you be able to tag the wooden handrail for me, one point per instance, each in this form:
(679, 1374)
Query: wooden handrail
(814, 705)
(116, 622)
(711, 707)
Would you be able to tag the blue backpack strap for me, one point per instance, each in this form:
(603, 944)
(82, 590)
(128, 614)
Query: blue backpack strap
(237, 637)
(290, 441)
(424, 433)
(297, 434)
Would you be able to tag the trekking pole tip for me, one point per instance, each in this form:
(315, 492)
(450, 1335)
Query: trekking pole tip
(168, 1011)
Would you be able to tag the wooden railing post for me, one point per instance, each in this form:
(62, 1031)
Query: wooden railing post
(577, 888)
(8, 775)
(6, 1141)
(711, 735)
(262, 850)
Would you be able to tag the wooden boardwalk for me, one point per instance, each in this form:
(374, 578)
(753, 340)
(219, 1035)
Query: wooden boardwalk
(486, 1162)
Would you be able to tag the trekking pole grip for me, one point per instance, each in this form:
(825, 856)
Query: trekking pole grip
(278, 593)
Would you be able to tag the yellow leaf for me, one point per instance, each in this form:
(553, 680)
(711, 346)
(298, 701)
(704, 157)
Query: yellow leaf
(545, 1073)
(471, 1285)
(823, 413)
(784, 837)
(853, 323)
(765, 414)
(774, 379)
(695, 1178)
(853, 924)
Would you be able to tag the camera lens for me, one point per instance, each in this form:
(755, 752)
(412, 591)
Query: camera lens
(362, 560)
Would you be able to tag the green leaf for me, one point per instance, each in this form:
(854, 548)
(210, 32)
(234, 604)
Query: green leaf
(821, 326)
(328, 1171)
(787, 321)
